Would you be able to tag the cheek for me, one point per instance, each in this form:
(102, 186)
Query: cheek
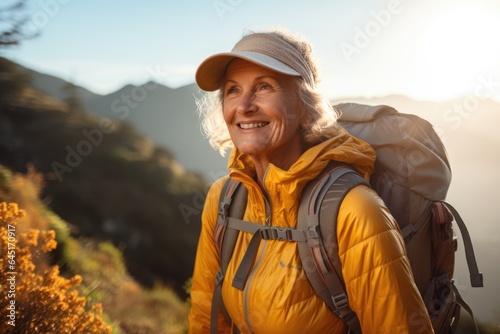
(226, 114)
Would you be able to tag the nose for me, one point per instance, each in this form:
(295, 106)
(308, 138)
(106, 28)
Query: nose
(246, 103)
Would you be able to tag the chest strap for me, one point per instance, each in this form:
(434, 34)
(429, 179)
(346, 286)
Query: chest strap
(260, 232)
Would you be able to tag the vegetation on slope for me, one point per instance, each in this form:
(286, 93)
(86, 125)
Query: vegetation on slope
(80, 285)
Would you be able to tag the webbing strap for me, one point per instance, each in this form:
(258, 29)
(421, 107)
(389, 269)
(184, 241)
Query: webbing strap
(466, 306)
(225, 239)
(226, 197)
(240, 278)
(341, 303)
(267, 232)
(408, 230)
(476, 277)
(228, 190)
(216, 302)
(260, 232)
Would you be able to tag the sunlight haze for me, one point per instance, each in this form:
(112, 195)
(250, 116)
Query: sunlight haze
(425, 50)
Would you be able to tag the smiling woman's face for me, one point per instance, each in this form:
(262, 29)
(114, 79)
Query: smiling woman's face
(261, 110)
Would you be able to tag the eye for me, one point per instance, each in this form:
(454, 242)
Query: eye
(263, 86)
(230, 90)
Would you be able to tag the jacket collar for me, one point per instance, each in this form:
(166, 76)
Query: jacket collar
(342, 148)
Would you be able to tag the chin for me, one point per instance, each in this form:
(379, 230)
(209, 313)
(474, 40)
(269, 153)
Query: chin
(250, 148)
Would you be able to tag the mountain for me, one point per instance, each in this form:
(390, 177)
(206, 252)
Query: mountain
(54, 86)
(167, 116)
(467, 125)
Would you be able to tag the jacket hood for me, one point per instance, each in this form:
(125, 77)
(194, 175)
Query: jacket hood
(342, 147)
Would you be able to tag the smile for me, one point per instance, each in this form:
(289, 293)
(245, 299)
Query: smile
(253, 125)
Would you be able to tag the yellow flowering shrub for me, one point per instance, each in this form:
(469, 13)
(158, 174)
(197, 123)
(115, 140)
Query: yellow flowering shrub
(34, 300)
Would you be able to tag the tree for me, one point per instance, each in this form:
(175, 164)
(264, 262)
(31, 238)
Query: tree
(13, 20)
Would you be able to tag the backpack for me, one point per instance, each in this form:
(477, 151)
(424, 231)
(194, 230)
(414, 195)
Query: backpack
(411, 175)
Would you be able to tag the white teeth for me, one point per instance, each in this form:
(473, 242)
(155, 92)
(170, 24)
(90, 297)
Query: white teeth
(252, 125)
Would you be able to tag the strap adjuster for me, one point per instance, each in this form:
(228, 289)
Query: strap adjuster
(219, 278)
(340, 301)
(313, 231)
(224, 210)
(266, 232)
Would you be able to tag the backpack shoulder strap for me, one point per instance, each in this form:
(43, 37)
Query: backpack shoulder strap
(318, 211)
(232, 203)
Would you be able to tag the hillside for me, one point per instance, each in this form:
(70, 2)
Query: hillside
(52, 270)
(110, 183)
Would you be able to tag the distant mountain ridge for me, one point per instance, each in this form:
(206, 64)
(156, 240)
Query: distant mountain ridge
(54, 86)
(168, 116)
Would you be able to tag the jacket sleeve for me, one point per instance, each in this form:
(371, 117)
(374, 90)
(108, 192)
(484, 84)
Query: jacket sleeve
(205, 269)
(377, 274)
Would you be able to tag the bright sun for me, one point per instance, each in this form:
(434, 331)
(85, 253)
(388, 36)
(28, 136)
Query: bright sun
(458, 45)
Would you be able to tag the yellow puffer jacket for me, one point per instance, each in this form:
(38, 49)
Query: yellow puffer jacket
(277, 297)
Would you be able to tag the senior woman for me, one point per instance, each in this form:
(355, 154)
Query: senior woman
(283, 133)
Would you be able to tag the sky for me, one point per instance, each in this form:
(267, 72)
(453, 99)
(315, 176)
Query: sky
(426, 50)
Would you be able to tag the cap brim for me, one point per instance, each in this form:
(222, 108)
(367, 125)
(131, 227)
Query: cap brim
(211, 71)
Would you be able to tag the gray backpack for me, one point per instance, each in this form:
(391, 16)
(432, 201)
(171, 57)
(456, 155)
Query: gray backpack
(411, 175)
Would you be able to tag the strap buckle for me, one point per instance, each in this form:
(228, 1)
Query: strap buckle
(284, 233)
(276, 233)
(340, 301)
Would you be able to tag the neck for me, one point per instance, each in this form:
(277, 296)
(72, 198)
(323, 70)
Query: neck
(262, 162)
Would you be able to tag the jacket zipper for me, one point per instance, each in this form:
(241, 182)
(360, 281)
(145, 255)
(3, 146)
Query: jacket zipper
(268, 221)
(267, 200)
